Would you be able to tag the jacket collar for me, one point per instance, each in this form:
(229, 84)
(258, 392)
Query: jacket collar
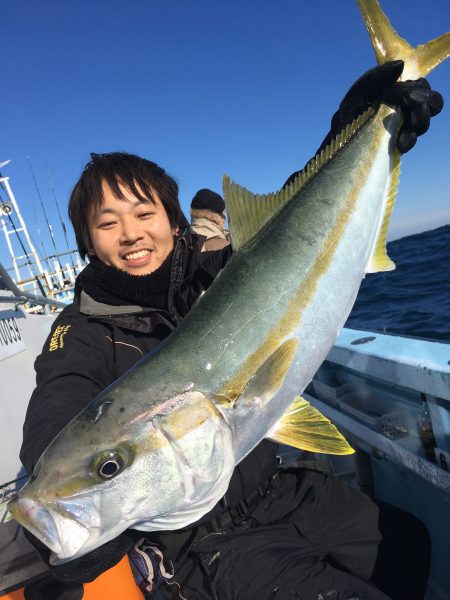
(91, 307)
(184, 263)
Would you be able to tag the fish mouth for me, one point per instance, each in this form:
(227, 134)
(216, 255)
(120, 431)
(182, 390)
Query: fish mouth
(57, 524)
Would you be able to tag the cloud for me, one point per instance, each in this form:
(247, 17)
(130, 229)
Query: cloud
(418, 222)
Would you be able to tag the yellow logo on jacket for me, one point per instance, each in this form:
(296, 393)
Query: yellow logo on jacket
(57, 339)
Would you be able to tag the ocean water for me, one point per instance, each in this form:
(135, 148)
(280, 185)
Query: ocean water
(415, 298)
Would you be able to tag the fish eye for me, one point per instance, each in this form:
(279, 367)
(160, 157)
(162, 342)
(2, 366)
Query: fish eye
(110, 467)
(110, 464)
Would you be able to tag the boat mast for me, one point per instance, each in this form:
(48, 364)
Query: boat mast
(9, 208)
(59, 281)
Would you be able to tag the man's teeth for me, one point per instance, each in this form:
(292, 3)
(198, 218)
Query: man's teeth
(135, 255)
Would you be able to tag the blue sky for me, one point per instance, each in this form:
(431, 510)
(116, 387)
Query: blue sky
(245, 87)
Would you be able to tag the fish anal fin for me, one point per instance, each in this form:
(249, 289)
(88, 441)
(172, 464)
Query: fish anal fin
(305, 428)
(379, 260)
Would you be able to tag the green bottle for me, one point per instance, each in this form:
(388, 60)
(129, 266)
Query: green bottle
(425, 429)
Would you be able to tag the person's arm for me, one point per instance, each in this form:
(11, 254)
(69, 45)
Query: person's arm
(417, 101)
(211, 262)
(71, 370)
(74, 366)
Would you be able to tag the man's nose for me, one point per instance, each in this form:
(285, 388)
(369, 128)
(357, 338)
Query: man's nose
(131, 232)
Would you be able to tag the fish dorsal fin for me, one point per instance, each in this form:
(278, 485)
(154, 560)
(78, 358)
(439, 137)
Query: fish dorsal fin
(379, 260)
(267, 380)
(248, 212)
(304, 427)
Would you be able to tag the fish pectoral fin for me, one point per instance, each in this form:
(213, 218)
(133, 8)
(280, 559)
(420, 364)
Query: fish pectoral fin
(267, 380)
(305, 428)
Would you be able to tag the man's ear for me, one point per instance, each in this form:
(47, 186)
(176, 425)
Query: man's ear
(90, 249)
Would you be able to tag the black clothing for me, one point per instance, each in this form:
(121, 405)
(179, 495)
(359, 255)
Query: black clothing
(310, 537)
(417, 101)
(112, 286)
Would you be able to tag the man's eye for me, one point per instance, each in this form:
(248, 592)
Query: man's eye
(106, 225)
(145, 215)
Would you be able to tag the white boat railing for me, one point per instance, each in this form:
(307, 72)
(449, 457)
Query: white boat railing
(21, 297)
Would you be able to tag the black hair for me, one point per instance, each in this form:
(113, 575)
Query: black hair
(140, 176)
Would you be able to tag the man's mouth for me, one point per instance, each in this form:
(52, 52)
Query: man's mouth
(136, 255)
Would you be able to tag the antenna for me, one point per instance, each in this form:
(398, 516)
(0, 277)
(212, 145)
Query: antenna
(45, 214)
(52, 187)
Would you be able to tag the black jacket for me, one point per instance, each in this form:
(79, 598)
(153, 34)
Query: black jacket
(92, 344)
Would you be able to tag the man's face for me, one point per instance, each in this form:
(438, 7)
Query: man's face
(128, 234)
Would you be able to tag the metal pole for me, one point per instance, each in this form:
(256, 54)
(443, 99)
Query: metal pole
(5, 181)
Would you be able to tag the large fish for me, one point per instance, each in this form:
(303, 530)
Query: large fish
(156, 450)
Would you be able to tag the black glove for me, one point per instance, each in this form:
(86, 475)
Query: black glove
(417, 101)
(91, 565)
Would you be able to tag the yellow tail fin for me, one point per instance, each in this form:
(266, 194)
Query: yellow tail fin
(388, 45)
(419, 61)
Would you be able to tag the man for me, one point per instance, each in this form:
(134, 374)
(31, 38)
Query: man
(290, 533)
(208, 219)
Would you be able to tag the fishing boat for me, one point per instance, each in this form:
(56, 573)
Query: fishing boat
(390, 395)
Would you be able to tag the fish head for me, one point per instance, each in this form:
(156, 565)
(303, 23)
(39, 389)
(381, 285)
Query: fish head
(160, 469)
(76, 498)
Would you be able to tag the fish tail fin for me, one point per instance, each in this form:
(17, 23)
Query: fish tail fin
(418, 62)
(388, 45)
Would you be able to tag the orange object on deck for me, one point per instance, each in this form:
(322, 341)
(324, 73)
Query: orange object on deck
(115, 584)
(17, 595)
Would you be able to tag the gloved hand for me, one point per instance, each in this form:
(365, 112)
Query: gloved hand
(417, 101)
(91, 565)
